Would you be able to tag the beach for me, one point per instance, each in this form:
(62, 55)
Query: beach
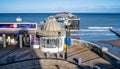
(113, 42)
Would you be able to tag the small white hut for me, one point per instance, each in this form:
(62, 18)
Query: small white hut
(51, 36)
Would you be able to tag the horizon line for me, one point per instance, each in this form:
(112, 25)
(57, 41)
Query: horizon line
(58, 12)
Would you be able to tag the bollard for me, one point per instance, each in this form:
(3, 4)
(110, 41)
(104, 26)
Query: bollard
(47, 54)
(63, 56)
(79, 60)
(58, 55)
(66, 55)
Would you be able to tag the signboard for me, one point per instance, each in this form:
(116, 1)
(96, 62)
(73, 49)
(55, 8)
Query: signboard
(6, 25)
(19, 25)
(26, 26)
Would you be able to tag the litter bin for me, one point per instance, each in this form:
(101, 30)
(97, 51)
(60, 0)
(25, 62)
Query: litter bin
(68, 41)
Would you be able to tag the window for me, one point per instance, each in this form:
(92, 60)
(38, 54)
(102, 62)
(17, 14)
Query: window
(49, 42)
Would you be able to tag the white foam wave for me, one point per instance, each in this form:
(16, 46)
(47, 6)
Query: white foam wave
(86, 30)
(94, 30)
(94, 34)
(99, 28)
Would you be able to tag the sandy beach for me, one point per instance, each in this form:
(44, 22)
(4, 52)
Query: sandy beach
(115, 43)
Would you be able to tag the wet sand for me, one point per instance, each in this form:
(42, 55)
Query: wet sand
(112, 42)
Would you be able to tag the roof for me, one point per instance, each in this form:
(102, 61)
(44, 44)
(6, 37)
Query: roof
(50, 33)
(51, 28)
(51, 25)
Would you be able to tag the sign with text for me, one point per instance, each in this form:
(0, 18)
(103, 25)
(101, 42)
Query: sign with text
(16, 25)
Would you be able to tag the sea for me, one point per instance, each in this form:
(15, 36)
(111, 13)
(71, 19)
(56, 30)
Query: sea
(93, 26)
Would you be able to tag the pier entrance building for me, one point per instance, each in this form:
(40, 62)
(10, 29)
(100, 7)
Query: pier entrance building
(25, 34)
(17, 34)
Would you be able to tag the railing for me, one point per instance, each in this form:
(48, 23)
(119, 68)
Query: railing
(105, 54)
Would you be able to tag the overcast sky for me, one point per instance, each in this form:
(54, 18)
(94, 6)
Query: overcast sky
(41, 6)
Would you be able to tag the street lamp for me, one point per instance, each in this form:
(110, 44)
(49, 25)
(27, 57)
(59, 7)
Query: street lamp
(58, 54)
(67, 27)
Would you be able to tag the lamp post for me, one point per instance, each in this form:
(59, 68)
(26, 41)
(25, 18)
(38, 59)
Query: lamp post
(66, 27)
(58, 54)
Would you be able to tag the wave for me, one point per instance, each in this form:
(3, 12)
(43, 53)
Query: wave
(87, 30)
(94, 30)
(95, 34)
(99, 28)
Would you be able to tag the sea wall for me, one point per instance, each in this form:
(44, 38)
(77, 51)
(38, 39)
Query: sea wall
(102, 52)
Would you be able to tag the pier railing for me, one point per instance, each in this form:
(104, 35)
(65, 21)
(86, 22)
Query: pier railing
(113, 59)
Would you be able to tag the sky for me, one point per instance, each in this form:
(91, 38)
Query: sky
(53, 6)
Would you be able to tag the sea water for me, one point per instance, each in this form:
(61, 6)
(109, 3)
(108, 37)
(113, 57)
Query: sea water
(93, 26)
